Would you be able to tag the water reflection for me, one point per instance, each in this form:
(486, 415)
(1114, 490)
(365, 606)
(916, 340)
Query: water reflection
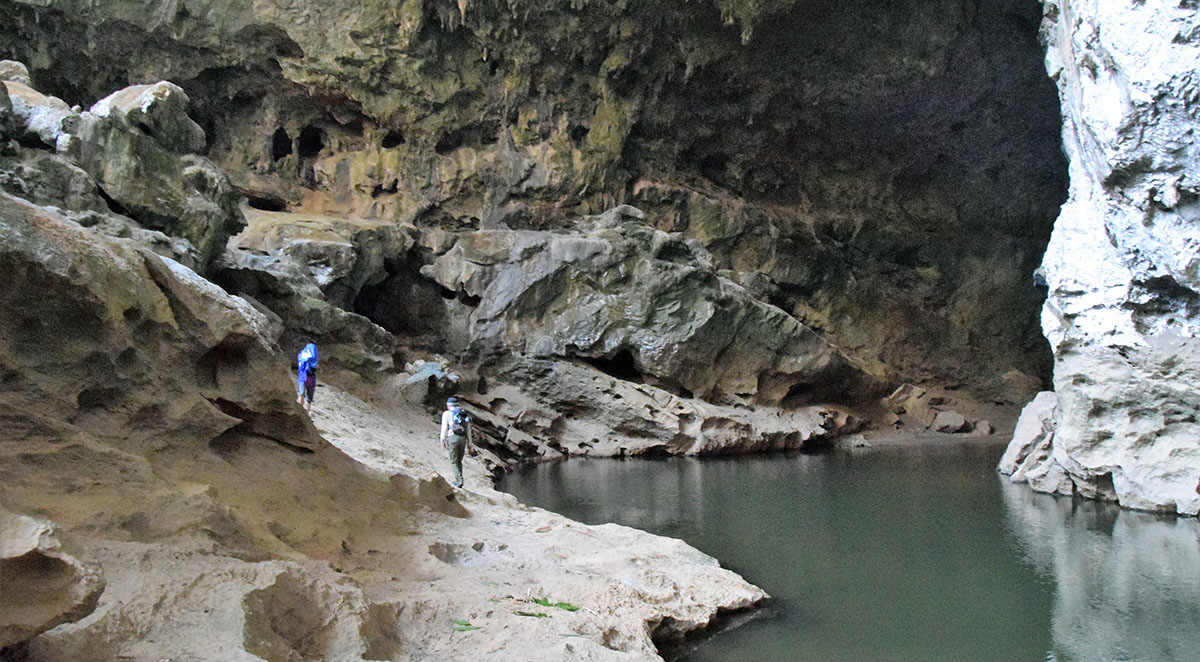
(907, 555)
(1127, 584)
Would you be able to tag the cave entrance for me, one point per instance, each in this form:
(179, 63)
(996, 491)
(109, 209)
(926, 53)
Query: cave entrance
(621, 366)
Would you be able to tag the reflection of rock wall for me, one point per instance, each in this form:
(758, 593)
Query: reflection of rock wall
(1127, 586)
(1123, 263)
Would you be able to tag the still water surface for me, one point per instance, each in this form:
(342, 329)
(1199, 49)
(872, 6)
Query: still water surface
(905, 554)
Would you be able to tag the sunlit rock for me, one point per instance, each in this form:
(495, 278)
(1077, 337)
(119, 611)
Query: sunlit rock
(1123, 264)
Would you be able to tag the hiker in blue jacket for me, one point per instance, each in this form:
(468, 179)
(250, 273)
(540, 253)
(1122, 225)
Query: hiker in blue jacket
(456, 436)
(306, 381)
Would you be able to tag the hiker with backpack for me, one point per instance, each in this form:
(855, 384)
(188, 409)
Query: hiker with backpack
(306, 381)
(456, 436)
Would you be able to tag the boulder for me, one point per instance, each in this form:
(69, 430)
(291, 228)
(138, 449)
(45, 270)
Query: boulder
(135, 144)
(159, 111)
(912, 405)
(41, 116)
(647, 303)
(44, 586)
(950, 421)
(15, 72)
(318, 256)
(136, 148)
(554, 408)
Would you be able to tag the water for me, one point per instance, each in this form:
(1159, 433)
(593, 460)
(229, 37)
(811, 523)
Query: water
(905, 554)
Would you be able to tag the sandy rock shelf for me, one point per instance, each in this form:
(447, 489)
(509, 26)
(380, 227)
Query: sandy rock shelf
(485, 562)
(281, 554)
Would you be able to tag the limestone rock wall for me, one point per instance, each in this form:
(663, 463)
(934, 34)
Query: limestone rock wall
(1123, 263)
(884, 172)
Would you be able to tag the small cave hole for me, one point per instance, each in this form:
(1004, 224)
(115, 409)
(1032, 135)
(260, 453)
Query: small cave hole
(145, 128)
(281, 144)
(390, 189)
(392, 139)
(448, 143)
(621, 366)
(32, 140)
(95, 398)
(578, 133)
(266, 203)
(469, 300)
(712, 166)
(223, 358)
(289, 49)
(311, 142)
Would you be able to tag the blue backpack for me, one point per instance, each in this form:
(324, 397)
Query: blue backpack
(306, 360)
(459, 419)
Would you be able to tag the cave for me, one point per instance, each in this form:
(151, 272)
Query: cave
(281, 144)
(392, 139)
(621, 365)
(310, 142)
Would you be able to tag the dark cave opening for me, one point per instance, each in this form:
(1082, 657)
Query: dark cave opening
(281, 144)
(449, 142)
(621, 365)
(392, 139)
(266, 202)
(311, 141)
(405, 303)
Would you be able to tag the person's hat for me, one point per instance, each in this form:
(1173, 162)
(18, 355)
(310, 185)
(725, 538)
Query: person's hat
(452, 400)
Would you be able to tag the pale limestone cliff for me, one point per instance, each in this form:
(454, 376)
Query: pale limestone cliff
(1123, 264)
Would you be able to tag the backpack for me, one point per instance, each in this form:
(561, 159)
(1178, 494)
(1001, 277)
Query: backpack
(458, 421)
(307, 359)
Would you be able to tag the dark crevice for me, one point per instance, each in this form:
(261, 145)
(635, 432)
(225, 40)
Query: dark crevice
(310, 142)
(281, 144)
(266, 203)
(390, 189)
(621, 365)
(113, 206)
(448, 142)
(392, 139)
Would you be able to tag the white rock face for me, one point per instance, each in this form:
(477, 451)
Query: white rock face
(1123, 264)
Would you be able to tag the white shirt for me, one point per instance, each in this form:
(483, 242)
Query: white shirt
(447, 420)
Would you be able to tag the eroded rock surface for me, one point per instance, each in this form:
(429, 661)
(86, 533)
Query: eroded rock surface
(617, 288)
(886, 173)
(1123, 264)
(129, 341)
(44, 586)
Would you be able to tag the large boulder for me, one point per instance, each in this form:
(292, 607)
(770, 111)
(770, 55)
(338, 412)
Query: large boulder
(545, 408)
(1123, 264)
(44, 585)
(140, 147)
(132, 155)
(647, 303)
